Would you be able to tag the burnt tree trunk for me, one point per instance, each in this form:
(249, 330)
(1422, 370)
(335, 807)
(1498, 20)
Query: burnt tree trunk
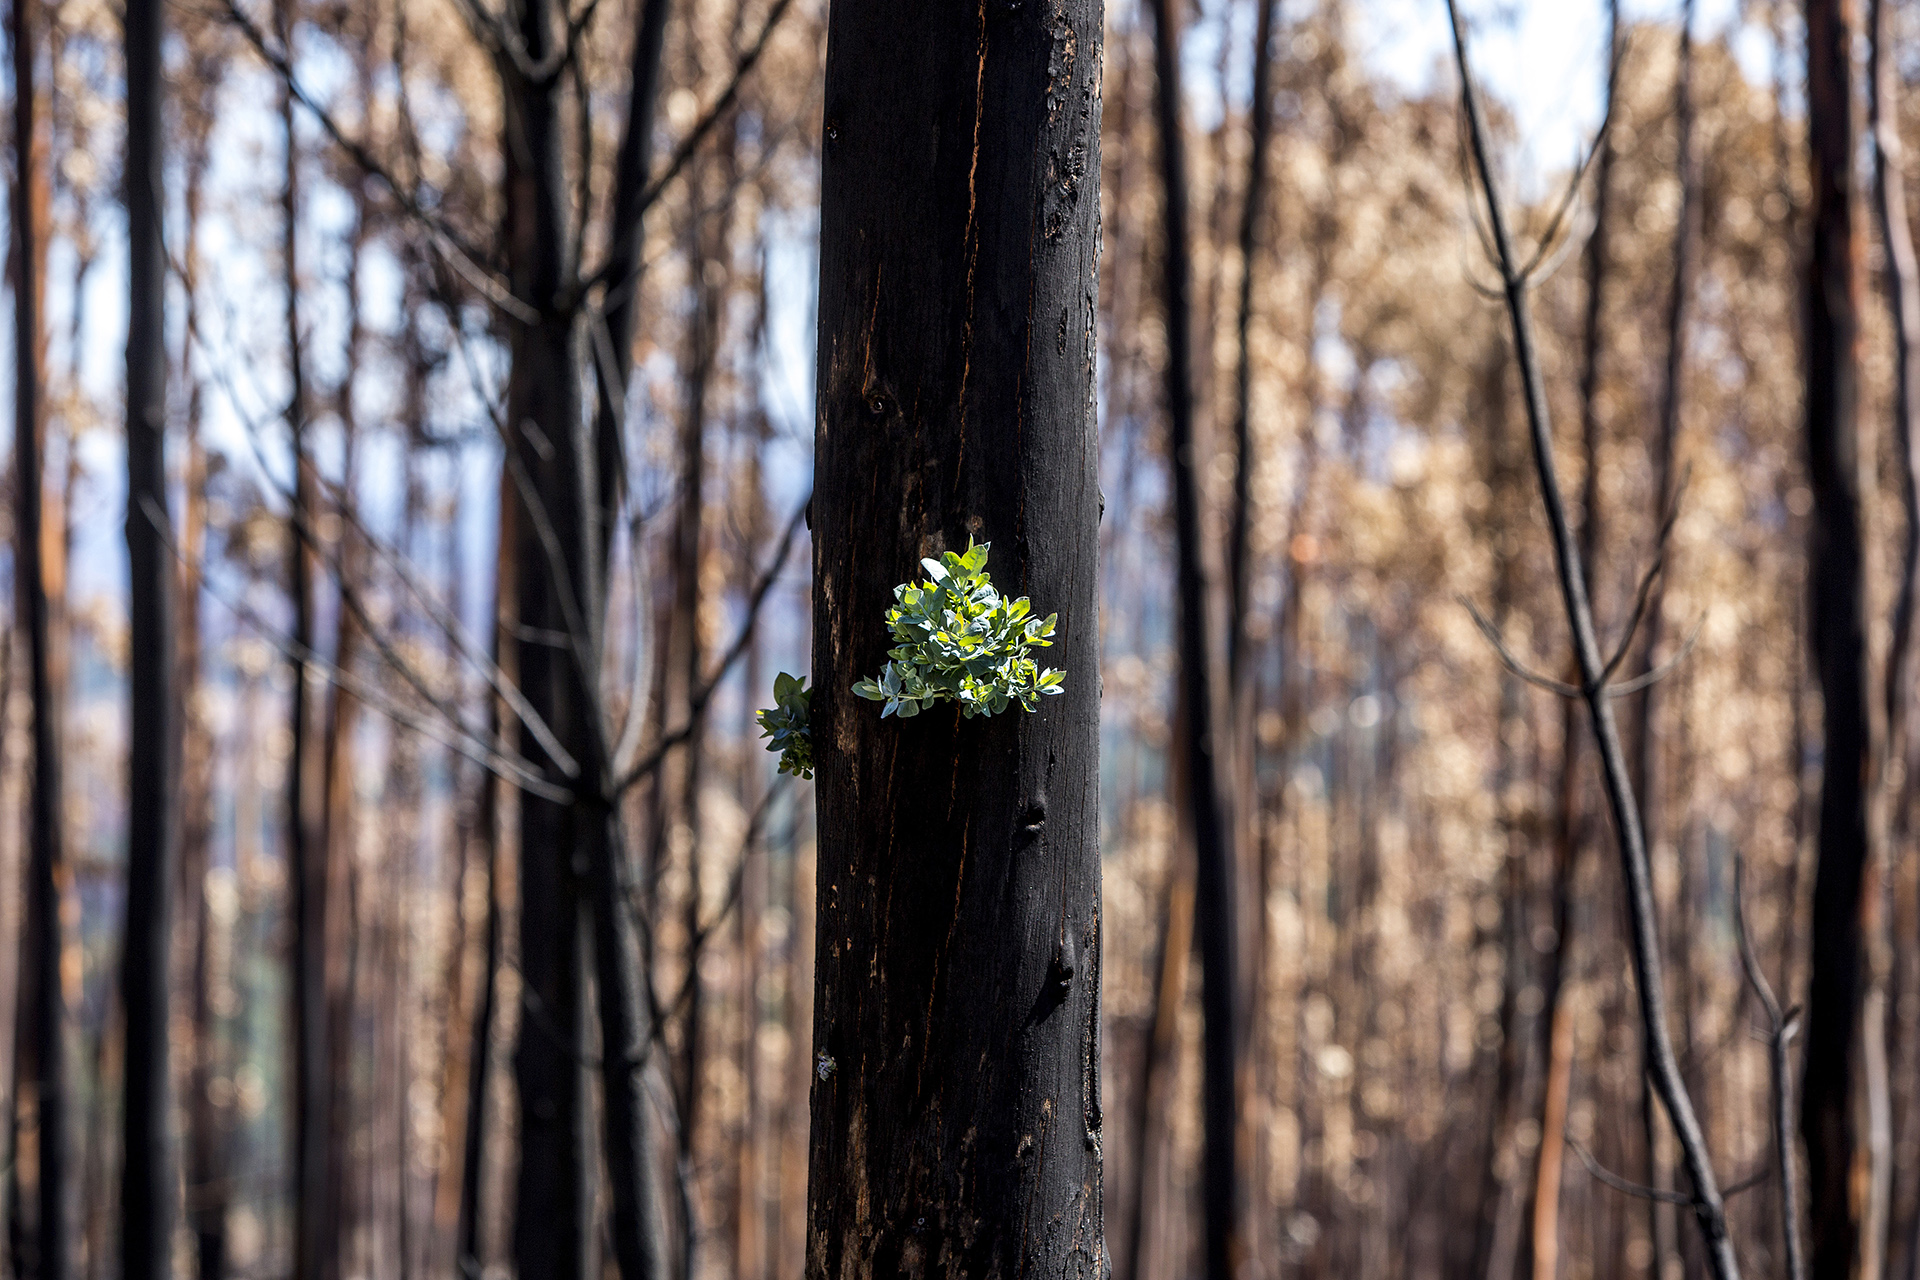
(39, 1054)
(153, 754)
(208, 1158)
(956, 1097)
(316, 1203)
(559, 846)
(1839, 638)
(1215, 901)
(625, 1036)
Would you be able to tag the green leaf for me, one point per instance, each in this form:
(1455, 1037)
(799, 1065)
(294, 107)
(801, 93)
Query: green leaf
(957, 639)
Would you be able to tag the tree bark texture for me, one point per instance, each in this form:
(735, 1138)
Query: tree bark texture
(153, 755)
(1838, 629)
(956, 1097)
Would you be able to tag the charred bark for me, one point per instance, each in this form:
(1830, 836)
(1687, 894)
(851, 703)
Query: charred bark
(956, 1106)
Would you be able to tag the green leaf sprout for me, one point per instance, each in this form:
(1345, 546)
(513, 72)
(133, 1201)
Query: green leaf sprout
(786, 723)
(958, 639)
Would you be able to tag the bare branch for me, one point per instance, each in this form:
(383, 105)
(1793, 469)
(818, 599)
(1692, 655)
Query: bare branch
(450, 625)
(1662, 1067)
(509, 768)
(1782, 1028)
(1513, 664)
(1578, 178)
(463, 257)
(1601, 1174)
(1660, 672)
(617, 290)
(697, 706)
(1645, 592)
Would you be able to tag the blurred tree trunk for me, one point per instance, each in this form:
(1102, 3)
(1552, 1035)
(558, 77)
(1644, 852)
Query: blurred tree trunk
(1216, 901)
(468, 1258)
(1648, 777)
(557, 588)
(43, 1236)
(1151, 1123)
(1839, 641)
(208, 1191)
(686, 656)
(956, 1095)
(751, 1241)
(153, 756)
(315, 1186)
(1889, 810)
(337, 832)
(1239, 550)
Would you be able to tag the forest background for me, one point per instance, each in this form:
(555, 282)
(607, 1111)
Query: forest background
(1442, 1060)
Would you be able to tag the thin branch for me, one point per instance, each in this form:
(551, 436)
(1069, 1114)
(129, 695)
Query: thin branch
(697, 706)
(1601, 1174)
(520, 773)
(1782, 1027)
(1645, 592)
(1661, 672)
(449, 624)
(617, 290)
(1513, 664)
(463, 257)
(1578, 177)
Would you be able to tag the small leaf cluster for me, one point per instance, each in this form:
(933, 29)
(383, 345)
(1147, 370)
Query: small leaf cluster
(787, 723)
(958, 639)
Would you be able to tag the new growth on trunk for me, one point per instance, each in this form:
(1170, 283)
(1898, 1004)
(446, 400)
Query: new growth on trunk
(956, 1088)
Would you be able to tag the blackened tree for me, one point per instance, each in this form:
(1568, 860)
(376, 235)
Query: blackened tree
(956, 1099)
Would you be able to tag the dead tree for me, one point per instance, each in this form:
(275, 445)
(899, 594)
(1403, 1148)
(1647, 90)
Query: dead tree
(1215, 867)
(956, 1096)
(153, 755)
(1595, 672)
(1838, 632)
(40, 1068)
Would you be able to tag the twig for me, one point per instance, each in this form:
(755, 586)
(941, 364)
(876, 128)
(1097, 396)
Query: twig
(1645, 592)
(1661, 672)
(1513, 664)
(511, 769)
(1618, 1183)
(1781, 1029)
(627, 778)
(1602, 1174)
(463, 257)
(617, 290)
(449, 624)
